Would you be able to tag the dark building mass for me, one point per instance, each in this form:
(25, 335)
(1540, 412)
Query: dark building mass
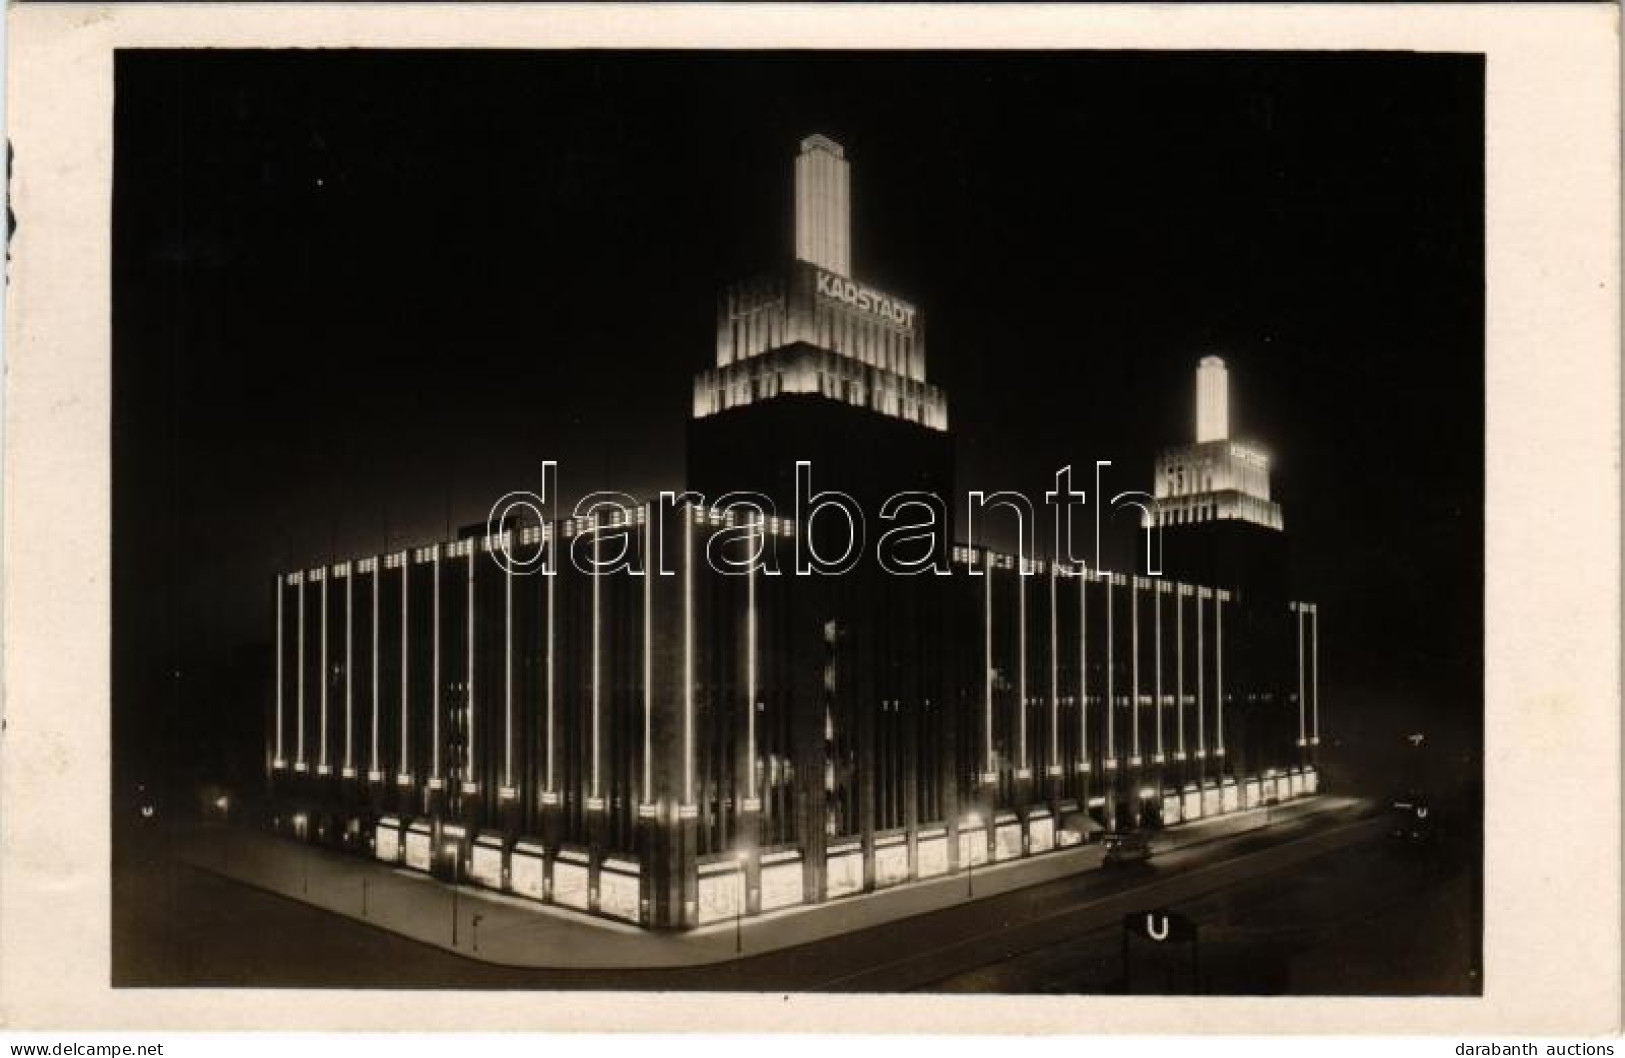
(599, 713)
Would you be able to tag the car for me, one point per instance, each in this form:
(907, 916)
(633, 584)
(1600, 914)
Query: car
(1411, 817)
(1127, 846)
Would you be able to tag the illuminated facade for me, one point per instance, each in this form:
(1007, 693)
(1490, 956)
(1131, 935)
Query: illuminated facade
(1216, 478)
(811, 329)
(667, 743)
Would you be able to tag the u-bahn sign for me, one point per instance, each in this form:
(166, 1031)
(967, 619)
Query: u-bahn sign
(1160, 927)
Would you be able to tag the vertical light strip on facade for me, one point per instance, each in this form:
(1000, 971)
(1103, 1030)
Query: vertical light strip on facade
(1083, 669)
(597, 657)
(321, 761)
(649, 574)
(278, 760)
(1301, 734)
(1156, 613)
(1314, 659)
(1111, 678)
(1201, 680)
(434, 726)
(507, 676)
(299, 696)
(403, 767)
(987, 659)
(349, 657)
(372, 758)
(1021, 662)
(1218, 667)
(688, 654)
(750, 670)
(1054, 679)
(469, 778)
(1134, 671)
(1179, 668)
(551, 573)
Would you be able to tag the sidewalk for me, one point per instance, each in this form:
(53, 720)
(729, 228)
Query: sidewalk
(508, 930)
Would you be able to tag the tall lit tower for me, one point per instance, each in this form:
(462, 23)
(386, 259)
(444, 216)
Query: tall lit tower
(1212, 400)
(814, 363)
(823, 205)
(1217, 526)
(1215, 479)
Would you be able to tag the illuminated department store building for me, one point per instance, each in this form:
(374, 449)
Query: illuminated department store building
(659, 748)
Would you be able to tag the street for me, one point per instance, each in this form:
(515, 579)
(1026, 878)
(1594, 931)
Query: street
(1307, 906)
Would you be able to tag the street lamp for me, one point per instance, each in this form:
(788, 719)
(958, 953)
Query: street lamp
(224, 804)
(739, 906)
(304, 855)
(972, 822)
(456, 862)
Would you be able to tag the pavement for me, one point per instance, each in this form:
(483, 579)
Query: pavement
(510, 931)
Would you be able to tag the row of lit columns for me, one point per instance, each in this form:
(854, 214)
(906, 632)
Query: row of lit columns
(1021, 768)
(375, 566)
(684, 815)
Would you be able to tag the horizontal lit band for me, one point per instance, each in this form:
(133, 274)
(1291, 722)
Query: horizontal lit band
(1303, 741)
(751, 804)
(649, 811)
(1134, 762)
(550, 797)
(1315, 740)
(1083, 769)
(688, 811)
(323, 769)
(1179, 756)
(1219, 752)
(1111, 763)
(349, 773)
(375, 776)
(279, 764)
(508, 793)
(1158, 759)
(300, 765)
(436, 783)
(471, 787)
(1024, 773)
(403, 779)
(989, 778)
(1053, 769)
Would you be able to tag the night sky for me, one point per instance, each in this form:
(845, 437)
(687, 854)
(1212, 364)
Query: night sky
(357, 296)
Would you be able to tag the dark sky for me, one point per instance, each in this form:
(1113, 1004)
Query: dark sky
(357, 296)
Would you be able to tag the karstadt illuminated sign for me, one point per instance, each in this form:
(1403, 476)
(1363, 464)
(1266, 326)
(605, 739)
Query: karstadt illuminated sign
(866, 299)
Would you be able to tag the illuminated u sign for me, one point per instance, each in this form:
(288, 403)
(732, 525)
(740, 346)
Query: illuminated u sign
(1160, 926)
